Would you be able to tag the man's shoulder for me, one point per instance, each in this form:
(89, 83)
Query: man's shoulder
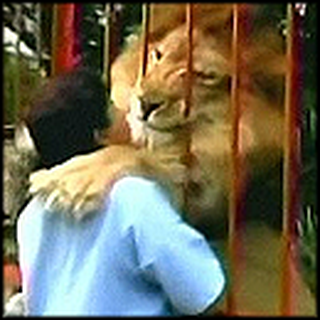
(135, 190)
(134, 184)
(32, 210)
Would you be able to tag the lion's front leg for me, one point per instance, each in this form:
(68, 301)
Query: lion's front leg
(80, 185)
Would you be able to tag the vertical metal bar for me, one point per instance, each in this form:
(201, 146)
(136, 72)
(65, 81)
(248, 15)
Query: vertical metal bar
(188, 93)
(187, 157)
(38, 8)
(54, 32)
(234, 157)
(19, 22)
(237, 168)
(17, 80)
(63, 37)
(107, 48)
(292, 155)
(145, 25)
(77, 48)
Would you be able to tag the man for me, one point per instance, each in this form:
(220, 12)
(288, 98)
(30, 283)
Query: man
(133, 255)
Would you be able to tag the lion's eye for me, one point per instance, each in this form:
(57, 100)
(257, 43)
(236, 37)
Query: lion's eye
(156, 54)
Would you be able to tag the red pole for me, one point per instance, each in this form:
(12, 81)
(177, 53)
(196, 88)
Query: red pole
(241, 23)
(65, 37)
(111, 41)
(187, 157)
(188, 93)
(292, 157)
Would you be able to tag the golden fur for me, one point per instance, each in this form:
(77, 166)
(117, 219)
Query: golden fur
(167, 132)
(210, 123)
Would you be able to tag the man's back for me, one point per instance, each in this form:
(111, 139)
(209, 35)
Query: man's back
(135, 257)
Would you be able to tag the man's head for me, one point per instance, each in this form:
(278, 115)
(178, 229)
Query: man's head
(65, 117)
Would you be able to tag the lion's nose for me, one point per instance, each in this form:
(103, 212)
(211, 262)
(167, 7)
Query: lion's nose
(147, 107)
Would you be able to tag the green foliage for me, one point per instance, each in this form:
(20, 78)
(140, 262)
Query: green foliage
(20, 85)
(132, 17)
(11, 89)
(308, 225)
(309, 163)
(307, 246)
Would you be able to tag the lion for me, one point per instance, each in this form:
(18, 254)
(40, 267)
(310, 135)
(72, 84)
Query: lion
(155, 103)
(162, 138)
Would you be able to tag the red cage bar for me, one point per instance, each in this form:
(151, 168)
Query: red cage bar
(187, 158)
(189, 77)
(234, 240)
(292, 157)
(146, 25)
(65, 33)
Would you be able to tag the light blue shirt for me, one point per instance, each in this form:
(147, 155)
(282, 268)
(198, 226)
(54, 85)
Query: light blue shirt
(136, 257)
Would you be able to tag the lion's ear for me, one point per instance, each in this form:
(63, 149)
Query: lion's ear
(212, 16)
(164, 18)
(267, 46)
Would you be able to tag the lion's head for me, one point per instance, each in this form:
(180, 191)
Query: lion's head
(154, 103)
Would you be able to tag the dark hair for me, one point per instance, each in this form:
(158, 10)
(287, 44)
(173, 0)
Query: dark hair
(64, 118)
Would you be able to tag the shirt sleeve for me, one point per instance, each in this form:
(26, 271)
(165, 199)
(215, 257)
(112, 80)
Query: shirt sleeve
(171, 253)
